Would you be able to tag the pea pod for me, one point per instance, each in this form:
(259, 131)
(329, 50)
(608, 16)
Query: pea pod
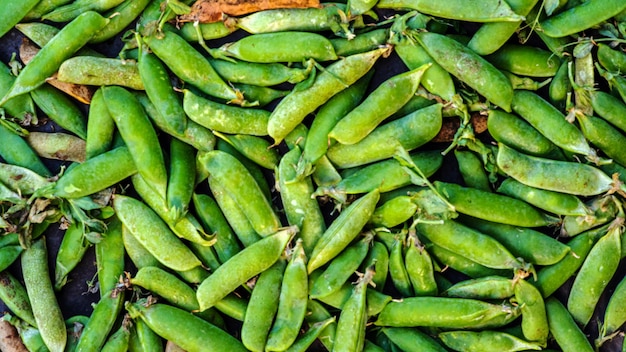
(378, 257)
(398, 270)
(15, 12)
(564, 329)
(614, 315)
(100, 127)
(517, 133)
(524, 60)
(215, 30)
(254, 148)
(490, 11)
(554, 202)
(119, 339)
(394, 212)
(67, 12)
(13, 294)
(472, 170)
(110, 257)
(72, 249)
(485, 340)
(120, 17)
(361, 43)
(49, 58)
(143, 338)
(335, 78)
(304, 342)
(17, 152)
(609, 107)
(213, 220)
(580, 18)
(101, 321)
(603, 135)
(181, 178)
(534, 320)
(412, 340)
(419, 268)
(21, 108)
(100, 71)
(488, 287)
(260, 74)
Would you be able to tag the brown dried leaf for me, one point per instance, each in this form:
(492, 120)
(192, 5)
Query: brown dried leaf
(207, 11)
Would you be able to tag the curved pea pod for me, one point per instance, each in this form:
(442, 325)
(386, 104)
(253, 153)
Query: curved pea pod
(21, 108)
(288, 46)
(13, 294)
(261, 95)
(343, 230)
(580, 17)
(398, 270)
(609, 107)
(195, 69)
(300, 207)
(16, 151)
(378, 257)
(445, 312)
(244, 265)
(139, 136)
(213, 220)
(394, 212)
(260, 74)
(517, 133)
(386, 99)
(564, 329)
(335, 78)
(153, 234)
(469, 67)
(534, 320)
(304, 342)
(489, 11)
(533, 246)
(551, 123)
(183, 328)
(486, 341)
(484, 288)
(63, 45)
(614, 314)
(68, 12)
(612, 60)
(553, 202)
(560, 86)
(524, 60)
(72, 249)
(408, 132)
(492, 206)
(341, 268)
(604, 136)
(292, 302)
(95, 174)
(239, 184)
(100, 127)
(552, 175)
(385, 175)
(43, 301)
(120, 17)
(412, 340)
(100, 71)
(262, 307)
(101, 321)
(419, 268)
(465, 241)
(254, 148)
(595, 273)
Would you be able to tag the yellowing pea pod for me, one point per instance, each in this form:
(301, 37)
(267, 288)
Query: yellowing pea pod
(339, 75)
(100, 71)
(386, 99)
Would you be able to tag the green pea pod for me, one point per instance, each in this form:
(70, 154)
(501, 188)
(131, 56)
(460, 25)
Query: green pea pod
(260, 74)
(16, 151)
(341, 268)
(394, 212)
(580, 18)
(524, 60)
(419, 268)
(139, 135)
(195, 69)
(14, 12)
(143, 338)
(412, 340)
(63, 45)
(22, 107)
(73, 247)
(484, 288)
(445, 312)
(100, 71)
(68, 12)
(137, 253)
(335, 78)
(550, 278)
(317, 313)
(469, 67)
(554, 202)
(517, 133)
(254, 148)
(93, 176)
(487, 341)
(343, 230)
(492, 206)
(551, 174)
(147, 227)
(533, 246)
(262, 307)
(564, 329)
(39, 287)
(408, 132)
(614, 314)
(9, 254)
(472, 170)
(215, 30)
(110, 257)
(261, 95)
(465, 241)
(594, 275)
(13, 294)
(292, 302)
(181, 327)
(362, 42)
(213, 220)
(378, 257)
(609, 108)
(100, 127)
(251, 261)
(397, 269)
(182, 172)
(304, 342)
(462, 264)
(101, 321)
(489, 11)
(120, 17)
(386, 99)
(118, 341)
(603, 135)
(534, 321)
(612, 60)
(301, 209)
(560, 86)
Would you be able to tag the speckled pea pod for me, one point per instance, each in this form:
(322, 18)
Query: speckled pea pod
(564, 329)
(13, 294)
(21, 180)
(254, 148)
(72, 249)
(485, 341)
(335, 78)
(100, 71)
(517, 133)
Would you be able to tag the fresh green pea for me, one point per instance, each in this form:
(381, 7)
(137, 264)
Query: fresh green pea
(72, 249)
(552, 174)
(213, 220)
(143, 338)
(564, 329)
(16, 151)
(49, 58)
(517, 133)
(484, 288)
(609, 108)
(195, 69)
(485, 341)
(44, 303)
(13, 295)
(110, 257)
(524, 60)
(489, 11)
(255, 148)
(181, 327)
(398, 270)
(419, 267)
(386, 99)
(101, 321)
(215, 30)
(394, 212)
(534, 320)
(412, 340)
(68, 12)
(21, 108)
(362, 42)
(13, 13)
(244, 265)
(343, 230)
(472, 170)
(580, 18)
(603, 135)
(299, 103)
(119, 339)
(100, 127)
(614, 314)
(462, 264)
(260, 74)
(262, 307)
(100, 71)
(492, 206)
(595, 273)
(469, 67)
(120, 17)
(445, 312)
(292, 302)
(153, 233)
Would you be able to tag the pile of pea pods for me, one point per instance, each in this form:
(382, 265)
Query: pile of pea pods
(282, 180)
